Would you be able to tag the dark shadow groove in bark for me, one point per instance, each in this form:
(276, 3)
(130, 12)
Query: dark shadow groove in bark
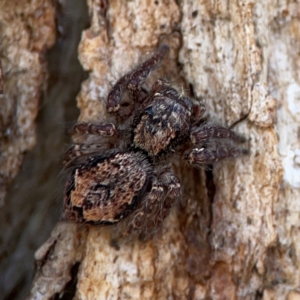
(70, 288)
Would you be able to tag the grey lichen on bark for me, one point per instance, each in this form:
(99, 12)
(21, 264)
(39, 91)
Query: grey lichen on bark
(235, 234)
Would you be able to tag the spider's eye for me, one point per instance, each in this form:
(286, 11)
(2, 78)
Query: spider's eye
(149, 111)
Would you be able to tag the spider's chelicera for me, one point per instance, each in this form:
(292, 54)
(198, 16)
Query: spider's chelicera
(126, 173)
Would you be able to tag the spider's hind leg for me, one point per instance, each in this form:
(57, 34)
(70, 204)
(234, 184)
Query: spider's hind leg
(173, 195)
(142, 219)
(155, 207)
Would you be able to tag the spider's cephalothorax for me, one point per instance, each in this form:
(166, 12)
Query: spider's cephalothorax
(132, 179)
(163, 124)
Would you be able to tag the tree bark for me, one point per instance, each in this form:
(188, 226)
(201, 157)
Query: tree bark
(25, 35)
(235, 233)
(38, 99)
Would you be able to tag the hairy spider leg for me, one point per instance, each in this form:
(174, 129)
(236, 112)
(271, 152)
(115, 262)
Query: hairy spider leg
(173, 195)
(201, 134)
(133, 81)
(102, 129)
(156, 206)
(148, 205)
(203, 156)
(77, 150)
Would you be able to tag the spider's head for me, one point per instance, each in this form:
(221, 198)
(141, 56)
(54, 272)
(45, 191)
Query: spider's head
(162, 126)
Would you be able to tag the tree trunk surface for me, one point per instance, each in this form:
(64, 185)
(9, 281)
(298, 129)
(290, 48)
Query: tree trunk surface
(39, 90)
(235, 234)
(25, 34)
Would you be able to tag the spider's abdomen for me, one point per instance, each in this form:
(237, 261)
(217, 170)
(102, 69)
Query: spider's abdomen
(161, 127)
(104, 189)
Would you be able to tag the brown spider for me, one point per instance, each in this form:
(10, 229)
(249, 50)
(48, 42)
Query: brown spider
(134, 179)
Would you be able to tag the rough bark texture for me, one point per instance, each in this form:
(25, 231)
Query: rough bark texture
(46, 84)
(236, 234)
(26, 31)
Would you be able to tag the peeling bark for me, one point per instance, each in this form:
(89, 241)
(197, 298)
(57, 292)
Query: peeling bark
(55, 259)
(235, 234)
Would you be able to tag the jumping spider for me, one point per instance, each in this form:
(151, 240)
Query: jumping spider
(133, 177)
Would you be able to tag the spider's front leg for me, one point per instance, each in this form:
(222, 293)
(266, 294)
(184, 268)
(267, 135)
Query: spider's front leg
(138, 77)
(133, 81)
